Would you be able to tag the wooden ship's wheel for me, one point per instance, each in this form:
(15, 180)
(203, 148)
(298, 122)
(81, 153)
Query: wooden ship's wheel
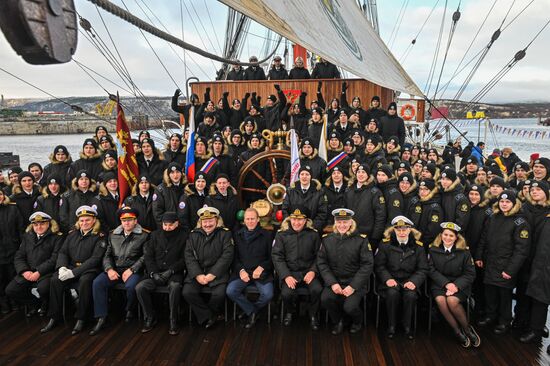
(274, 185)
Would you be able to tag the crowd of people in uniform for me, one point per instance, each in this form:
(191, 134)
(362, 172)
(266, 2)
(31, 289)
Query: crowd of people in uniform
(381, 216)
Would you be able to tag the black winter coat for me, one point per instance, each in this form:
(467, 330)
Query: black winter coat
(205, 254)
(10, 231)
(539, 281)
(392, 262)
(294, 253)
(393, 198)
(49, 204)
(58, 169)
(369, 206)
(37, 254)
(318, 165)
(24, 201)
(227, 205)
(92, 164)
(155, 170)
(325, 70)
(277, 74)
(253, 251)
(190, 202)
(479, 215)
(107, 207)
(82, 253)
(314, 199)
(427, 215)
(334, 199)
(299, 73)
(165, 250)
(346, 260)
(166, 199)
(254, 73)
(504, 246)
(273, 114)
(392, 126)
(125, 252)
(144, 206)
(70, 201)
(456, 206)
(455, 267)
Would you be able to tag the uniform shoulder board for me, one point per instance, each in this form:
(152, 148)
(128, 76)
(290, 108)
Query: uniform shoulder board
(364, 236)
(59, 234)
(370, 248)
(419, 243)
(226, 229)
(459, 197)
(315, 230)
(324, 235)
(519, 221)
(146, 230)
(386, 240)
(392, 190)
(489, 211)
(434, 205)
(160, 187)
(374, 190)
(102, 244)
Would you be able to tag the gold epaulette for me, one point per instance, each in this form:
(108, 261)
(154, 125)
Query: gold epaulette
(419, 243)
(364, 236)
(386, 240)
(325, 235)
(145, 230)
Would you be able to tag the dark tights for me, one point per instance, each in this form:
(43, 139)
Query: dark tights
(453, 312)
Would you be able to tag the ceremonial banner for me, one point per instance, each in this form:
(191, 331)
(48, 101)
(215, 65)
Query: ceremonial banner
(190, 157)
(128, 170)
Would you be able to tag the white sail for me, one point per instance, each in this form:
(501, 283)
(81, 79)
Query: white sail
(337, 30)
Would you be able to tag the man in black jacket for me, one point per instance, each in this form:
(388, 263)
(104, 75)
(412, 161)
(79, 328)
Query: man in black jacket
(150, 161)
(123, 261)
(165, 265)
(401, 267)
(325, 70)
(392, 125)
(252, 267)
(35, 262)
(208, 257)
(78, 263)
(167, 194)
(294, 253)
(24, 194)
(345, 262)
(254, 72)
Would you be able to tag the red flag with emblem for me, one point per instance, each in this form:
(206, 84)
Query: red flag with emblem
(128, 170)
(292, 95)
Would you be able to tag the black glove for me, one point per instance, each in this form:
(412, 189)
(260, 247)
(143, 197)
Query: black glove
(225, 94)
(207, 90)
(259, 99)
(319, 86)
(247, 95)
(254, 95)
(344, 87)
(277, 87)
(177, 93)
(157, 278)
(303, 94)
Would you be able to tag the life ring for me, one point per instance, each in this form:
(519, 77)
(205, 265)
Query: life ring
(408, 112)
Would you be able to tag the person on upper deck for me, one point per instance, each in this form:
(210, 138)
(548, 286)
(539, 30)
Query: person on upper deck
(325, 70)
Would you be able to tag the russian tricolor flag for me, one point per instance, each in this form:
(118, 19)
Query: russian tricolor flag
(190, 155)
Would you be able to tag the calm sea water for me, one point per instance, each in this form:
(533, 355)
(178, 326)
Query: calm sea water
(38, 148)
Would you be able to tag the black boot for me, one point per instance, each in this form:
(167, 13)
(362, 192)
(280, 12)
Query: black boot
(174, 329)
(252, 319)
(391, 331)
(338, 328)
(51, 324)
(31, 311)
(355, 328)
(129, 316)
(485, 321)
(501, 329)
(462, 339)
(471, 333)
(78, 327)
(101, 323)
(409, 333)
(287, 319)
(148, 325)
(314, 323)
(210, 323)
(530, 336)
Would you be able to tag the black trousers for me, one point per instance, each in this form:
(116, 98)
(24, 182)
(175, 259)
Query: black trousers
(82, 284)
(393, 297)
(523, 303)
(204, 309)
(539, 313)
(144, 291)
(7, 273)
(20, 290)
(338, 305)
(478, 291)
(498, 303)
(290, 296)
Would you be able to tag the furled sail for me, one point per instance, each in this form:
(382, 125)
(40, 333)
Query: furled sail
(337, 30)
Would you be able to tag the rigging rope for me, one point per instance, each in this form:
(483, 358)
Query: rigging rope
(413, 42)
(436, 53)
(132, 19)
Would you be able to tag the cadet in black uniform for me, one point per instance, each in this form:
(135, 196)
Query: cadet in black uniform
(294, 253)
(503, 248)
(401, 266)
(345, 263)
(208, 255)
(78, 263)
(35, 262)
(452, 273)
(82, 193)
(167, 194)
(456, 207)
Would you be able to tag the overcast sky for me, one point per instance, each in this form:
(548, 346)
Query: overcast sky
(528, 81)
